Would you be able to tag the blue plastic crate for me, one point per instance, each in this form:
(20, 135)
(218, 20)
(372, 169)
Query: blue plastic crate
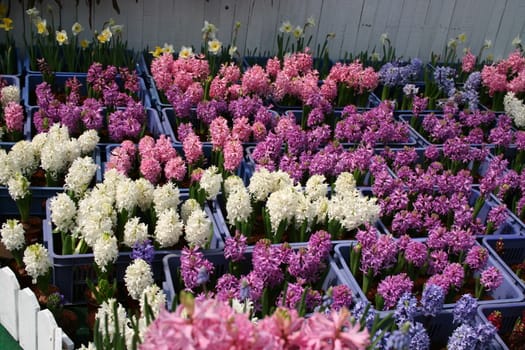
(70, 271)
(508, 292)
(32, 80)
(510, 313)
(513, 253)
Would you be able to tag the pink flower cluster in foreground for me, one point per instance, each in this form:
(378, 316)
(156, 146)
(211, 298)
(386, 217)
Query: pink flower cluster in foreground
(210, 324)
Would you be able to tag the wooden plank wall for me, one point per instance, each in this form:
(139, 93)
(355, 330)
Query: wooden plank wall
(415, 27)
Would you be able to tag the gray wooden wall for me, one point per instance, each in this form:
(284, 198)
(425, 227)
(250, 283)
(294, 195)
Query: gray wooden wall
(415, 27)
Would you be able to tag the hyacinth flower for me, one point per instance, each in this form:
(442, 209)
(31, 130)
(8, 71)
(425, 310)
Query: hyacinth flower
(11, 113)
(502, 77)
(394, 76)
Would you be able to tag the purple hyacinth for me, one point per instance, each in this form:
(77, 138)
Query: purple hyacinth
(320, 245)
(406, 309)
(498, 215)
(235, 246)
(194, 267)
(455, 274)
(477, 257)
(438, 260)
(227, 287)
(318, 137)
(393, 287)
(416, 253)
(432, 300)
(380, 255)
(491, 278)
(341, 296)
(294, 295)
(143, 250)
(266, 261)
(465, 310)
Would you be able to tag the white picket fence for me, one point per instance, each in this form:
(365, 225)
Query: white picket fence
(20, 314)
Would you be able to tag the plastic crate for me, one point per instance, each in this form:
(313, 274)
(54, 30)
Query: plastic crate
(168, 121)
(510, 313)
(32, 80)
(70, 271)
(514, 253)
(39, 194)
(508, 292)
(172, 283)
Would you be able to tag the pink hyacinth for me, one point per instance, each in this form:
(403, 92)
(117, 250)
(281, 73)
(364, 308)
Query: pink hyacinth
(175, 169)
(147, 147)
(259, 131)
(273, 66)
(14, 117)
(219, 132)
(151, 170)
(233, 153)
(393, 287)
(120, 160)
(164, 149)
(491, 278)
(255, 81)
(468, 62)
(241, 129)
(192, 147)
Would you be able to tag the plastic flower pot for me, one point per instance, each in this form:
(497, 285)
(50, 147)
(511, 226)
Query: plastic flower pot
(512, 253)
(510, 313)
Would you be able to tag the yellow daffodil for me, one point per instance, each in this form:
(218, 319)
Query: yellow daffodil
(32, 12)
(298, 32)
(462, 37)
(214, 46)
(7, 24)
(157, 52)
(185, 52)
(168, 48)
(77, 28)
(41, 27)
(84, 44)
(105, 36)
(286, 27)
(61, 37)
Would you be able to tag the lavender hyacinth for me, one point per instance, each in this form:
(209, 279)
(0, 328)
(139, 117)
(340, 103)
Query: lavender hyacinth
(363, 310)
(432, 300)
(465, 310)
(470, 93)
(463, 338)
(143, 250)
(419, 339)
(406, 309)
(444, 78)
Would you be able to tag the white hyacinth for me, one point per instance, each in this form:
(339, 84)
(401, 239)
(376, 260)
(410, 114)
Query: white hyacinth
(156, 300)
(13, 235)
(6, 172)
(166, 197)
(263, 182)
(111, 178)
(316, 187)
(232, 184)
(10, 93)
(345, 183)
(199, 229)
(352, 209)
(18, 187)
(138, 276)
(63, 212)
(38, 141)
(88, 141)
(23, 158)
(210, 182)
(187, 208)
(515, 109)
(145, 191)
(318, 210)
(106, 313)
(105, 250)
(126, 195)
(54, 158)
(96, 214)
(238, 206)
(80, 175)
(37, 262)
(169, 228)
(135, 231)
(72, 149)
(282, 205)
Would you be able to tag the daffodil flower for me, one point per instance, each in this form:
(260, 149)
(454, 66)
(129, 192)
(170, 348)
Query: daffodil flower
(61, 37)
